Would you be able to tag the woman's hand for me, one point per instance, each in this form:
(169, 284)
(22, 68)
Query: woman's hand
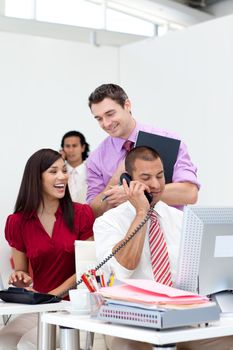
(20, 279)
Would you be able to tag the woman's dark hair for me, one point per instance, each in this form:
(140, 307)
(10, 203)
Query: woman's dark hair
(31, 194)
(82, 141)
(112, 91)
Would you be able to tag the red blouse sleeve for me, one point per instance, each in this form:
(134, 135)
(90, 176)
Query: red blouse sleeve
(83, 221)
(13, 232)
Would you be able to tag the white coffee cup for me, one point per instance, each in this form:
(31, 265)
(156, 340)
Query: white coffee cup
(80, 300)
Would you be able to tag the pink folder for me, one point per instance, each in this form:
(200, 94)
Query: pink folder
(150, 292)
(158, 288)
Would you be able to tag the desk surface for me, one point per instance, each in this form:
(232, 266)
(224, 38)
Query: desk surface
(224, 327)
(13, 308)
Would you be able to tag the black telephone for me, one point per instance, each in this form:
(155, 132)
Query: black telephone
(128, 178)
(24, 296)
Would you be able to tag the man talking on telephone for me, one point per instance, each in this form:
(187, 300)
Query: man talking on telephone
(153, 252)
(145, 167)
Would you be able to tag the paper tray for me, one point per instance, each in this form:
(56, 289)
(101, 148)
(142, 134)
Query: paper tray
(157, 319)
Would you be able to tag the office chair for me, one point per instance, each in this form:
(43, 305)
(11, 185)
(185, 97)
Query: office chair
(85, 258)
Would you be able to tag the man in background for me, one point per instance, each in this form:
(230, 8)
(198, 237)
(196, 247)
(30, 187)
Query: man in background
(112, 109)
(75, 149)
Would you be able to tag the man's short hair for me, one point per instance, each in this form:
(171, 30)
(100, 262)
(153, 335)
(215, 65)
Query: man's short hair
(112, 91)
(140, 152)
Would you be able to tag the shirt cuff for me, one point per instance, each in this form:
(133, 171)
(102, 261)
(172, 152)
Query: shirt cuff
(119, 270)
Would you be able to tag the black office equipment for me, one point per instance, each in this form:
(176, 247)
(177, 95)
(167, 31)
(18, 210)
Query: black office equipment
(166, 147)
(24, 296)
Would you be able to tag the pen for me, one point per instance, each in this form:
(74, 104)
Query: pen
(102, 279)
(93, 282)
(87, 282)
(111, 280)
(98, 281)
(104, 198)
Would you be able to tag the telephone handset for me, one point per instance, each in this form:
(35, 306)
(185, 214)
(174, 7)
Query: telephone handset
(128, 178)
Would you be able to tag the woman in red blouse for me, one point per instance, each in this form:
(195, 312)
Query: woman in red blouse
(42, 232)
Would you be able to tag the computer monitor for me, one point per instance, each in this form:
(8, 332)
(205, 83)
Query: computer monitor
(206, 254)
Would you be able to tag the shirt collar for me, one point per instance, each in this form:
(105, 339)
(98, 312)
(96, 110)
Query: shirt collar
(34, 213)
(159, 209)
(30, 215)
(70, 168)
(58, 212)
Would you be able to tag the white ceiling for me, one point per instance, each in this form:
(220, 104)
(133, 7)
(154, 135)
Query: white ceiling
(96, 37)
(170, 10)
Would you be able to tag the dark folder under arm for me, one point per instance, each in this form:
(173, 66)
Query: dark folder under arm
(166, 147)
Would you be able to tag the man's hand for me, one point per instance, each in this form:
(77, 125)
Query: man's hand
(115, 196)
(20, 279)
(63, 154)
(112, 195)
(135, 194)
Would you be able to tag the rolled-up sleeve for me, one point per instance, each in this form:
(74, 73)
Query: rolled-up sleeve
(83, 221)
(184, 169)
(95, 182)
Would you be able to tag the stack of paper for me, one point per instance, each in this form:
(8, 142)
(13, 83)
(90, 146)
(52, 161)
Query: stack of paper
(149, 292)
(150, 304)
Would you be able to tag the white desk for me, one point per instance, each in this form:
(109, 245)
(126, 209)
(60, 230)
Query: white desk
(160, 338)
(13, 309)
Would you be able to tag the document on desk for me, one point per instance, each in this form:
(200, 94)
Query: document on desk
(158, 288)
(150, 292)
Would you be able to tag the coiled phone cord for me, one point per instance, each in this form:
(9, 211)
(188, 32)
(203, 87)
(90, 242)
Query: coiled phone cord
(103, 262)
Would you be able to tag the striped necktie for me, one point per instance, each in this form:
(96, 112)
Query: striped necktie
(159, 253)
(128, 145)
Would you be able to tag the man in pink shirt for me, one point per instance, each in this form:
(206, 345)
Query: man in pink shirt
(112, 109)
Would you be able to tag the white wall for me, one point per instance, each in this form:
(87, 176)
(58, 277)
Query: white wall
(184, 82)
(44, 86)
